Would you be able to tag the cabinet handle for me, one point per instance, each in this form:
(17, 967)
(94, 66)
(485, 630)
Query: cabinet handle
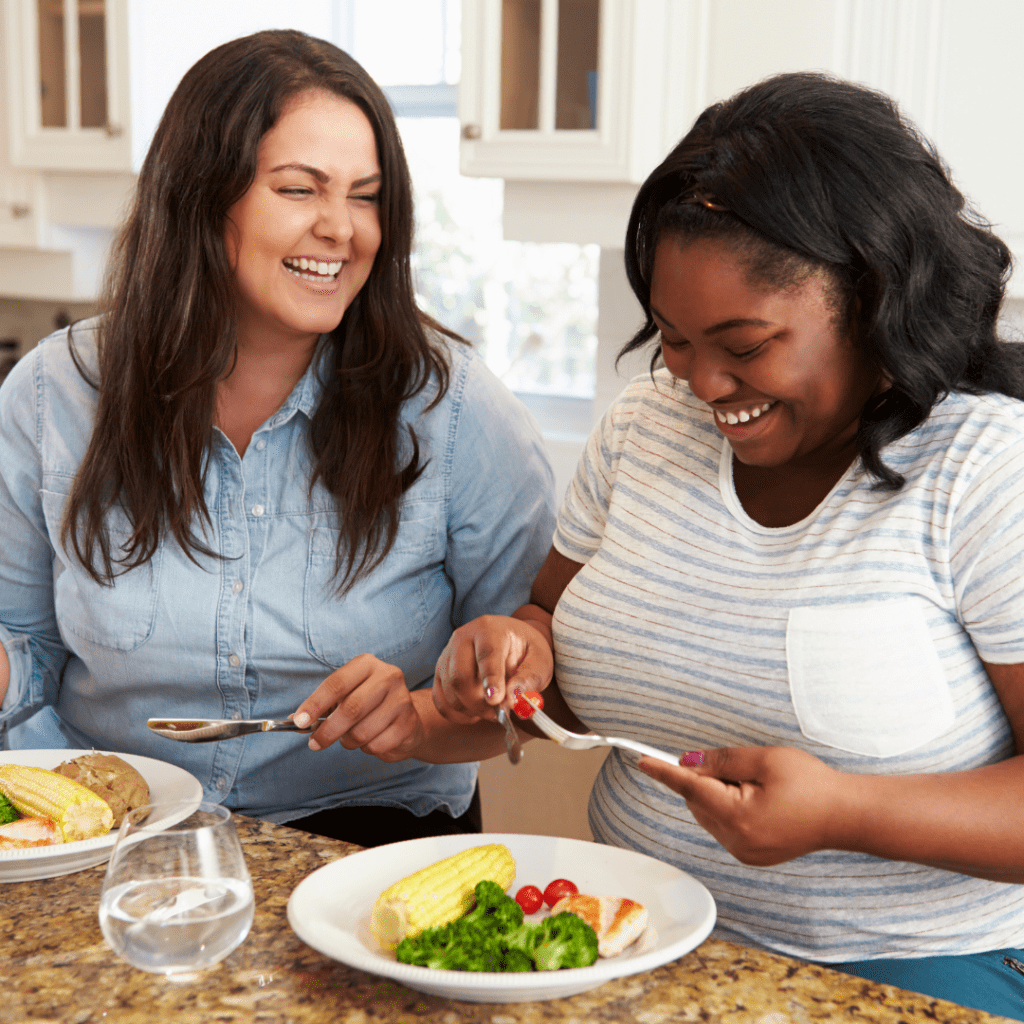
(113, 130)
(471, 131)
(20, 210)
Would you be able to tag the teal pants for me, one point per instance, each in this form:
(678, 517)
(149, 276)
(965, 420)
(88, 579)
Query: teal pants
(993, 981)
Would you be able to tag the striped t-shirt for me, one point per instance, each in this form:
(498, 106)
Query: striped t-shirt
(856, 634)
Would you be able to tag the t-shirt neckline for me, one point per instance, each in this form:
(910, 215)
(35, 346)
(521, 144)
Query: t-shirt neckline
(727, 489)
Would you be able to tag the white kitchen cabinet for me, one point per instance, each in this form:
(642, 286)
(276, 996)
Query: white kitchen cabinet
(68, 84)
(952, 65)
(567, 90)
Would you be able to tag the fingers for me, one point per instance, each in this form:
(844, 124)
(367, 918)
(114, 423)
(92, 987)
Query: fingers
(765, 805)
(367, 705)
(483, 661)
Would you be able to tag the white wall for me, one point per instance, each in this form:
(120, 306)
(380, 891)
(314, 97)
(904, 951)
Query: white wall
(166, 39)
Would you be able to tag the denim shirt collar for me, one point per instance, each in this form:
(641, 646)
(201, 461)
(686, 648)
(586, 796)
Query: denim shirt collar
(305, 396)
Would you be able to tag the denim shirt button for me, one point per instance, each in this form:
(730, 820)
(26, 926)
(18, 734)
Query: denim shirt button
(260, 445)
(237, 586)
(257, 510)
(234, 661)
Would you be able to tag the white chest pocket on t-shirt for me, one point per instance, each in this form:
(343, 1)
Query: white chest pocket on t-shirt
(866, 678)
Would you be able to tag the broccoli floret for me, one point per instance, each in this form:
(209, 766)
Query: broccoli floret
(494, 909)
(458, 946)
(516, 960)
(564, 940)
(9, 814)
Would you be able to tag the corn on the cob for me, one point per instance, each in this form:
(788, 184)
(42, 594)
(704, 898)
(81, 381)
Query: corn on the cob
(435, 895)
(36, 792)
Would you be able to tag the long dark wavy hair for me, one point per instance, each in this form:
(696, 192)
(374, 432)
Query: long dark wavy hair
(804, 171)
(167, 335)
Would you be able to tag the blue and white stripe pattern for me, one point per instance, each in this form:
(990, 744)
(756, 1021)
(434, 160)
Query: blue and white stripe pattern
(676, 632)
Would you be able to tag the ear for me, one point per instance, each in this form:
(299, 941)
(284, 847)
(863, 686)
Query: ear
(232, 241)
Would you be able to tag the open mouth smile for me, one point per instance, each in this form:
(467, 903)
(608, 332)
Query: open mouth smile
(737, 416)
(317, 271)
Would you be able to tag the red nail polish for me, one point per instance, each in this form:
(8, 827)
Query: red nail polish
(692, 758)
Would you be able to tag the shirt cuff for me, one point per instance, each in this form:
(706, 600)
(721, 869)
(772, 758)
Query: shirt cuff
(19, 689)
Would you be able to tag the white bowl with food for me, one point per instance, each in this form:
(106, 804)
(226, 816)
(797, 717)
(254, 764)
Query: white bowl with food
(333, 911)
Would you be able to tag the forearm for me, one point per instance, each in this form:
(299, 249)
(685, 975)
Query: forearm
(970, 822)
(446, 742)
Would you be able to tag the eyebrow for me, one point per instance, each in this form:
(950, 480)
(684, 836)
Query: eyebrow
(725, 325)
(322, 176)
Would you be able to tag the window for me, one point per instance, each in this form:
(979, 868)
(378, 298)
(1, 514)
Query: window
(530, 309)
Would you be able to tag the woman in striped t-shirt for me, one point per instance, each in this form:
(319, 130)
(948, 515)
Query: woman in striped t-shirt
(793, 552)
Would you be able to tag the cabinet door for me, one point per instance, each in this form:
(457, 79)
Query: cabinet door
(547, 88)
(67, 84)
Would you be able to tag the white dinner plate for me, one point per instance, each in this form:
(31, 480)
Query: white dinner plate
(330, 910)
(167, 782)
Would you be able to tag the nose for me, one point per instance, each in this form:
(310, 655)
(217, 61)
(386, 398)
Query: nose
(708, 378)
(334, 222)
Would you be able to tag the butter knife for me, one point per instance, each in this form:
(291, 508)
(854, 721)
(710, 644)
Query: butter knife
(512, 743)
(209, 730)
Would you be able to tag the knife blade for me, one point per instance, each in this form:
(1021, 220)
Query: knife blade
(512, 743)
(209, 730)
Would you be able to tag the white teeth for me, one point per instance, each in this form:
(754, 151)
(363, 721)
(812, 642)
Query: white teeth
(315, 270)
(744, 415)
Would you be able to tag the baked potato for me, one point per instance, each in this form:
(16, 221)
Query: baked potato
(111, 778)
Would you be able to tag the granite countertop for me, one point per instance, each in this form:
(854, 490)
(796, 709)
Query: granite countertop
(56, 968)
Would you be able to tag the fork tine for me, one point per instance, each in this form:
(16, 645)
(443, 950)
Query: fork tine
(549, 726)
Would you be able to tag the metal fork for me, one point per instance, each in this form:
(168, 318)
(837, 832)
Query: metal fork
(577, 741)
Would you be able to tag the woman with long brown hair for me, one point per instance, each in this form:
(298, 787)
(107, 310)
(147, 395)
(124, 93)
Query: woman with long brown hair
(263, 471)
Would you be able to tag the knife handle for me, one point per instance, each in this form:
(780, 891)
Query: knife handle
(288, 725)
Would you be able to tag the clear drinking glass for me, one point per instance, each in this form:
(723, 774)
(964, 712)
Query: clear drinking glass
(177, 896)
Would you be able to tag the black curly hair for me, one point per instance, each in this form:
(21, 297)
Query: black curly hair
(804, 172)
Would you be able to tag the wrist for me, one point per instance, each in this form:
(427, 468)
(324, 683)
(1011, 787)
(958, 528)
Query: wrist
(853, 813)
(535, 616)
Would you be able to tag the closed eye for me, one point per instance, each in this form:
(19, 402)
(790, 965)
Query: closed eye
(750, 352)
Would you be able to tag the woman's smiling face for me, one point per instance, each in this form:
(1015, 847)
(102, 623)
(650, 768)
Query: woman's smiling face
(784, 381)
(303, 238)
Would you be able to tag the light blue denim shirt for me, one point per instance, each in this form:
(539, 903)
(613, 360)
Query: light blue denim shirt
(252, 633)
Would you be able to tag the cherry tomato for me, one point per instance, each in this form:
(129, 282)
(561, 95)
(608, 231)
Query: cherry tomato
(530, 898)
(527, 702)
(557, 889)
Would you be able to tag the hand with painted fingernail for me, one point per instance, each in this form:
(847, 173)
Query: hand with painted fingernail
(482, 661)
(765, 805)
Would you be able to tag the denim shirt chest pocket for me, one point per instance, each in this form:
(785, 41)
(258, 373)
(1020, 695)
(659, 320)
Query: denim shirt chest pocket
(120, 617)
(388, 611)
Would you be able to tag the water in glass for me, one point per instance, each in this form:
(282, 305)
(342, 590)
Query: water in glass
(177, 896)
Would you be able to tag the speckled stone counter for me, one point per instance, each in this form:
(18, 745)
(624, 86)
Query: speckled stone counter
(55, 967)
